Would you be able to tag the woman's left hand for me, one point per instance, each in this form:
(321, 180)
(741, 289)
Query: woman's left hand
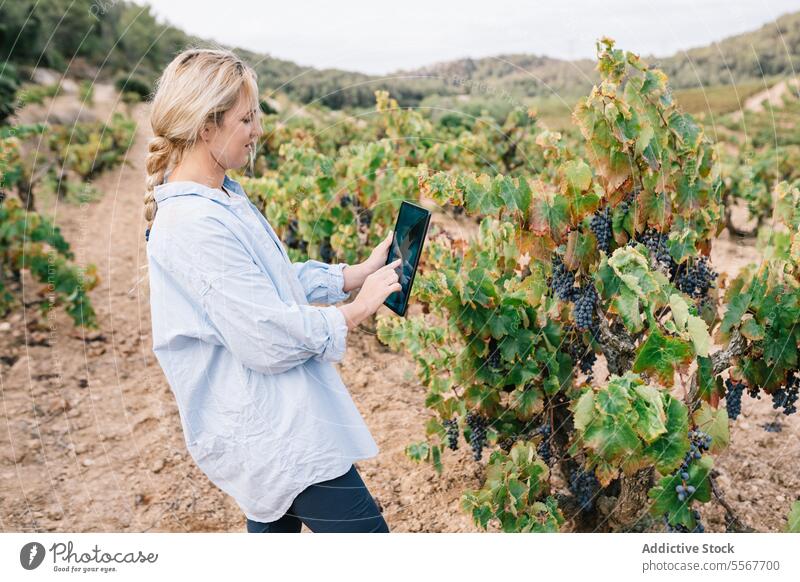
(380, 253)
(355, 275)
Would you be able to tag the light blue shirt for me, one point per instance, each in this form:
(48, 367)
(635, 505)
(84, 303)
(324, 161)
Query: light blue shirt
(251, 363)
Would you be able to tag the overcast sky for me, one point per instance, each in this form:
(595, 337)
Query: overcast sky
(384, 36)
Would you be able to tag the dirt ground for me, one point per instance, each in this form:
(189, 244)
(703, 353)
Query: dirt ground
(93, 441)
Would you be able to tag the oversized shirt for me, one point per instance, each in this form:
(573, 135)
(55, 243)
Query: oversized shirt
(251, 363)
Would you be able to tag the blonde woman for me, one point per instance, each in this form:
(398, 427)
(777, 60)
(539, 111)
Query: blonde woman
(250, 361)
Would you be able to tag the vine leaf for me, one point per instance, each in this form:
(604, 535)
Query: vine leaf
(666, 499)
(715, 424)
(709, 387)
(690, 326)
(661, 355)
(628, 425)
(669, 449)
(549, 212)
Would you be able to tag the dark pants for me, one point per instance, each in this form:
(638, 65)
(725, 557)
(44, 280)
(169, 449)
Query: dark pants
(340, 505)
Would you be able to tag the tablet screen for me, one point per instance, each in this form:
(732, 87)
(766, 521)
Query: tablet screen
(409, 235)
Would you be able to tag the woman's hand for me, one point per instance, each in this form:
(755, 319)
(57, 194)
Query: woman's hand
(355, 275)
(376, 288)
(379, 254)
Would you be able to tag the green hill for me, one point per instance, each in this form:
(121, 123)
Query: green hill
(112, 39)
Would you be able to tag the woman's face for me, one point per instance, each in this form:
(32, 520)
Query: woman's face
(233, 141)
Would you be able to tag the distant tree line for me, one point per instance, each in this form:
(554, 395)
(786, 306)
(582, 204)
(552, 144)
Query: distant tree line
(124, 41)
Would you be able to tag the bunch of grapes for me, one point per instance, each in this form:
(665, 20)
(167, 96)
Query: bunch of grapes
(684, 491)
(733, 398)
(326, 251)
(477, 438)
(699, 442)
(583, 311)
(601, 227)
(680, 528)
(563, 281)
(696, 279)
(586, 364)
(293, 241)
(625, 205)
(656, 243)
(786, 396)
(452, 433)
(365, 217)
(494, 354)
(345, 201)
(584, 486)
(458, 210)
(543, 449)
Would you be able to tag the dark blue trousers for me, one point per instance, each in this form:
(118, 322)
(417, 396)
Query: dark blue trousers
(340, 505)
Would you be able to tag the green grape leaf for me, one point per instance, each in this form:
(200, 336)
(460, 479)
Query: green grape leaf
(578, 176)
(751, 329)
(549, 214)
(709, 387)
(665, 499)
(654, 206)
(627, 425)
(515, 194)
(698, 333)
(714, 422)
(650, 412)
(680, 311)
(668, 451)
(635, 286)
(661, 355)
(478, 195)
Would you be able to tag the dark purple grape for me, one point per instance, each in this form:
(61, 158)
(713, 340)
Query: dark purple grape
(562, 282)
(601, 227)
(477, 438)
(585, 487)
(733, 398)
(452, 433)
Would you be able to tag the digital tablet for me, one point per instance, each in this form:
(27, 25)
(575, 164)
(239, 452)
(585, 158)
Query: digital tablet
(407, 241)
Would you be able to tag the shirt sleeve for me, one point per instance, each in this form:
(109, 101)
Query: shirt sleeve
(322, 283)
(243, 305)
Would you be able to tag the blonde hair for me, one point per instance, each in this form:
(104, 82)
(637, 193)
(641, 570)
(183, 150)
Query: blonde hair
(198, 86)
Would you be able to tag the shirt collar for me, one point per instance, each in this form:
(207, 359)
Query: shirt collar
(187, 188)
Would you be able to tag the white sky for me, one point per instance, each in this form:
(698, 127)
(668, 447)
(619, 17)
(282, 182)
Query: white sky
(379, 37)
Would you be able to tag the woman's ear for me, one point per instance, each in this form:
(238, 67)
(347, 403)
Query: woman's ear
(207, 132)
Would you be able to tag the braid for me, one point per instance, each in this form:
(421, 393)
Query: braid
(159, 152)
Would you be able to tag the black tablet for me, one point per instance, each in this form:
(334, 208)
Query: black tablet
(409, 236)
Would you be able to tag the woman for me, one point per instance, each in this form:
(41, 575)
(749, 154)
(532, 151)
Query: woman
(250, 361)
